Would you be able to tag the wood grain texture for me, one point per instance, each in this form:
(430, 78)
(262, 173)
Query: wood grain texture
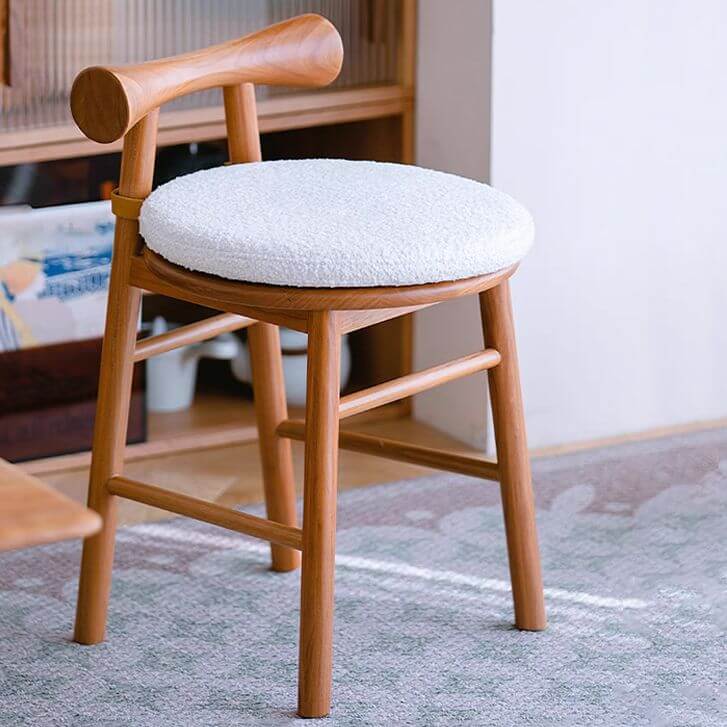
(145, 279)
(117, 365)
(354, 320)
(222, 294)
(106, 101)
(513, 461)
(407, 42)
(271, 409)
(191, 333)
(231, 473)
(188, 441)
(126, 207)
(415, 383)
(208, 512)
(243, 133)
(319, 516)
(32, 513)
(266, 362)
(407, 77)
(278, 113)
(213, 422)
(432, 457)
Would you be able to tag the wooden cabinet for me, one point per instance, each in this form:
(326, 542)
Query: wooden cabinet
(367, 114)
(47, 42)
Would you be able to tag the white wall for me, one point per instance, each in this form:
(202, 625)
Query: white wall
(453, 134)
(610, 123)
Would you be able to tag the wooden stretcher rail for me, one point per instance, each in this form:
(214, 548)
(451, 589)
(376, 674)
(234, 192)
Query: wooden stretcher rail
(194, 332)
(439, 459)
(208, 512)
(404, 386)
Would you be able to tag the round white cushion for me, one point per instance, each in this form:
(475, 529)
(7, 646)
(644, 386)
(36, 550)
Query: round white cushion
(334, 223)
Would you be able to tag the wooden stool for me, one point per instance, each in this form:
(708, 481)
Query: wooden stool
(32, 513)
(111, 103)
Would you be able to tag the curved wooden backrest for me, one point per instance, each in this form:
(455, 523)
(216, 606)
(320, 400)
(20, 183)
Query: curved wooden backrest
(107, 101)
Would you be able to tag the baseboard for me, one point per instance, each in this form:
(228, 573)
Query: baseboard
(645, 435)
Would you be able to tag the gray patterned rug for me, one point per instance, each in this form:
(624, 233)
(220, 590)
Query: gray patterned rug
(633, 542)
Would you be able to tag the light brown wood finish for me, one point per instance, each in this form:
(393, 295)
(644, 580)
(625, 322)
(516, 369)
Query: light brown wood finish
(319, 516)
(303, 51)
(266, 362)
(513, 461)
(208, 512)
(214, 473)
(213, 422)
(279, 113)
(417, 382)
(440, 459)
(225, 294)
(271, 409)
(31, 513)
(243, 134)
(192, 333)
(117, 365)
(194, 440)
(407, 73)
(354, 320)
(144, 278)
(323, 313)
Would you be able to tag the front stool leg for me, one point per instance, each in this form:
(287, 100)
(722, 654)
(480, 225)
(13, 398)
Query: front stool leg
(275, 452)
(109, 439)
(114, 388)
(319, 515)
(513, 461)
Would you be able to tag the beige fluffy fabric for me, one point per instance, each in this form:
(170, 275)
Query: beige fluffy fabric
(335, 223)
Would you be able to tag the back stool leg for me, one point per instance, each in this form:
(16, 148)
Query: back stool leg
(109, 440)
(319, 516)
(513, 461)
(275, 452)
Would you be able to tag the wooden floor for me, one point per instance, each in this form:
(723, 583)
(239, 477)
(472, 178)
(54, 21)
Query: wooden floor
(231, 474)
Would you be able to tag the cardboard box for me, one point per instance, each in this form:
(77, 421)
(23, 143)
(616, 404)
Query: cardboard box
(54, 270)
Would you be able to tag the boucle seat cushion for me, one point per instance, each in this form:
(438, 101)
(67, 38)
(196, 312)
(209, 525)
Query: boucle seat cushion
(334, 223)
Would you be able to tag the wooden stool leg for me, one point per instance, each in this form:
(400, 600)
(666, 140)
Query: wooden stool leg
(109, 440)
(114, 389)
(275, 453)
(319, 516)
(513, 461)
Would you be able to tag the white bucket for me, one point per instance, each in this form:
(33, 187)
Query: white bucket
(171, 376)
(294, 346)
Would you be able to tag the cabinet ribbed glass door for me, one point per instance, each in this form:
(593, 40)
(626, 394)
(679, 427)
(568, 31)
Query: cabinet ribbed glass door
(50, 41)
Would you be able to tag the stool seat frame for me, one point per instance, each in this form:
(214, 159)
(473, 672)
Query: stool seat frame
(110, 103)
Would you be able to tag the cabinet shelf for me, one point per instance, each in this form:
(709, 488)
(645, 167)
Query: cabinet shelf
(213, 421)
(277, 113)
(374, 121)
